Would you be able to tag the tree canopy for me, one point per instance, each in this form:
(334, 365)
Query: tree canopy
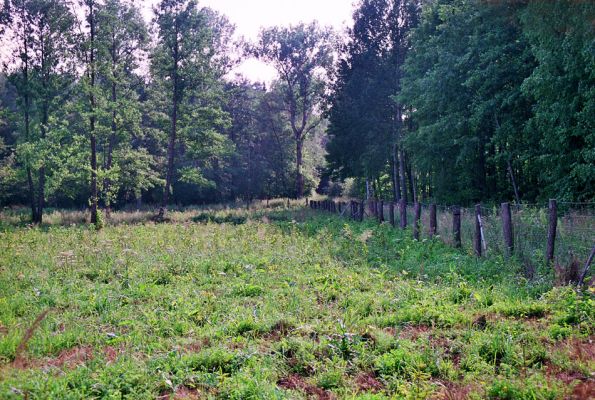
(452, 101)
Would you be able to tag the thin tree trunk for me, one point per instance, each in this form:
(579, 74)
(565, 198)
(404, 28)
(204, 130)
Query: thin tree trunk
(299, 144)
(402, 173)
(395, 175)
(170, 159)
(411, 180)
(171, 147)
(43, 132)
(34, 217)
(114, 128)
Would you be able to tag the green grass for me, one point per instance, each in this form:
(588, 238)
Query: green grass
(284, 304)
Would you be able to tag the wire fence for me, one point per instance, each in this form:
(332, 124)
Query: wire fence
(482, 229)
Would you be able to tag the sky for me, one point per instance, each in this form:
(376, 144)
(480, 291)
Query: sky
(250, 15)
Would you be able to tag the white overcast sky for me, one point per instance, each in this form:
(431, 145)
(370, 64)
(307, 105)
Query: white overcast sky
(250, 15)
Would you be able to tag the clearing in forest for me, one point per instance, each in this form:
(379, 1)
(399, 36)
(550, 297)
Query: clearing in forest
(284, 304)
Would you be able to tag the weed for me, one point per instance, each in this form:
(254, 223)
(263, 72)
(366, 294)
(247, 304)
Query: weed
(277, 303)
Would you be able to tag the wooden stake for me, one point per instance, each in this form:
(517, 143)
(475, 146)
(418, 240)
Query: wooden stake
(391, 213)
(477, 236)
(552, 227)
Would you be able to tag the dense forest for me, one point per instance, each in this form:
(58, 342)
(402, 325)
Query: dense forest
(450, 100)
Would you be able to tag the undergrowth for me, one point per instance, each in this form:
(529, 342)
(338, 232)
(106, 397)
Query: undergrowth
(284, 304)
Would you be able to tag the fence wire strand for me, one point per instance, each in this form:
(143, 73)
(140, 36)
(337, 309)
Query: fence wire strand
(575, 232)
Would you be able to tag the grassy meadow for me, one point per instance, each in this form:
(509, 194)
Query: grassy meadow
(278, 304)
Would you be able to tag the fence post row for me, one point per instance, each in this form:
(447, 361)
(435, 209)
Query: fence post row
(551, 233)
(507, 229)
(403, 213)
(456, 226)
(376, 208)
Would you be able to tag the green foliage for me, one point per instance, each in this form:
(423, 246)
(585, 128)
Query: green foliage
(302, 55)
(364, 123)
(100, 222)
(492, 100)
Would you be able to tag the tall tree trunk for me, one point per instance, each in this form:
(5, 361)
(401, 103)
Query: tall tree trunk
(171, 147)
(112, 139)
(110, 150)
(92, 119)
(395, 175)
(299, 147)
(402, 173)
(34, 217)
(411, 179)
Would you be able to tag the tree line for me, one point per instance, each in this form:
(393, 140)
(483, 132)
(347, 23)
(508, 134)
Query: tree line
(100, 108)
(451, 100)
(462, 101)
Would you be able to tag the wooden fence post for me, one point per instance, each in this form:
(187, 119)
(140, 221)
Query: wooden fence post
(416, 221)
(391, 213)
(433, 221)
(477, 236)
(403, 213)
(361, 211)
(507, 228)
(381, 211)
(456, 226)
(551, 233)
